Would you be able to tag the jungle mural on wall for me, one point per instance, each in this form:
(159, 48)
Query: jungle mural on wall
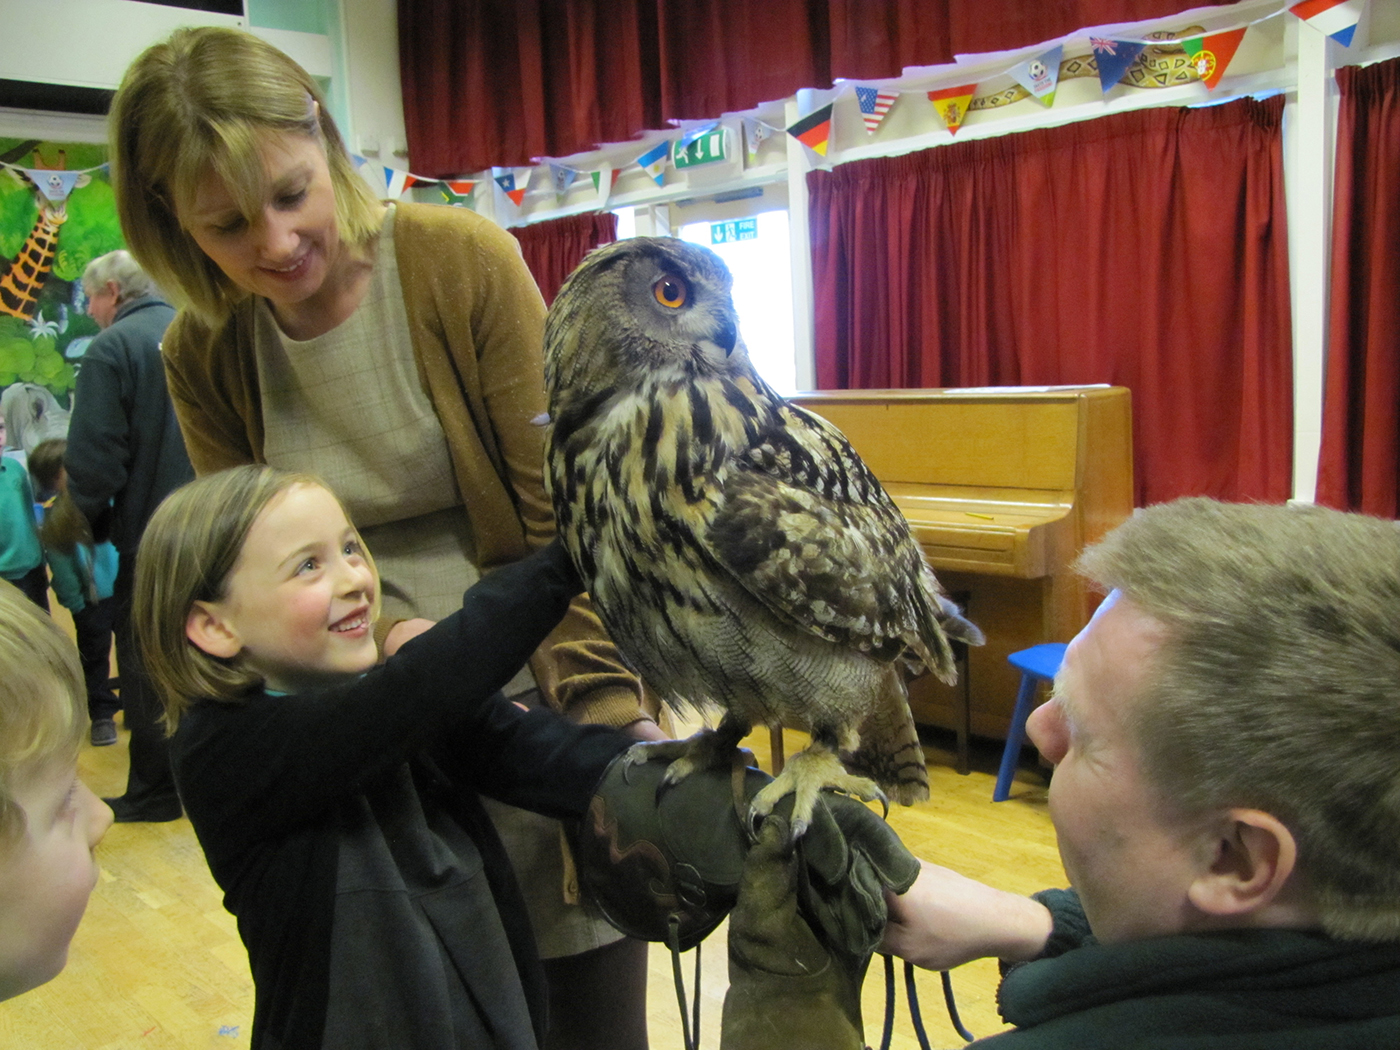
(56, 215)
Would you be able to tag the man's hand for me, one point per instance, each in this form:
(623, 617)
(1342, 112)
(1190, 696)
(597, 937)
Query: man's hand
(946, 919)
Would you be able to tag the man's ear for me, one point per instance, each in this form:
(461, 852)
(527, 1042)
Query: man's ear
(211, 632)
(1252, 858)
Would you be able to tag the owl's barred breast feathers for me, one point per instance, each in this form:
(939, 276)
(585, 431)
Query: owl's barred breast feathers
(736, 547)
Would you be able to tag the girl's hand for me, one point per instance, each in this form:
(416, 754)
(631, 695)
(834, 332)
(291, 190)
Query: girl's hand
(404, 631)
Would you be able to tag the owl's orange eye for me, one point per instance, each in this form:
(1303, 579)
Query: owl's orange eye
(670, 291)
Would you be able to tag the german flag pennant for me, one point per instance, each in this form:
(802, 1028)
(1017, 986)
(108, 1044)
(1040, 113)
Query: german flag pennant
(814, 130)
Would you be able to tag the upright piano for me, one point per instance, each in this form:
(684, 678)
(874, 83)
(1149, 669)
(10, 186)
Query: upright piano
(1002, 487)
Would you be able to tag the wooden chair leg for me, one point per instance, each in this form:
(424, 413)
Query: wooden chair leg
(775, 749)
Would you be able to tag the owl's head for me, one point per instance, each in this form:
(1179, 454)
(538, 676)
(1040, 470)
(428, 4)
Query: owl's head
(643, 308)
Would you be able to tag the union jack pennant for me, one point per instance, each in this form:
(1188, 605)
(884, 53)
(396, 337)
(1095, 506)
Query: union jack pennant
(874, 104)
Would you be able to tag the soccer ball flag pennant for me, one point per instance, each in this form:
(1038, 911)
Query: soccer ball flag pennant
(1334, 18)
(951, 104)
(563, 177)
(814, 130)
(1211, 55)
(755, 132)
(874, 104)
(1040, 75)
(1113, 58)
(653, 161)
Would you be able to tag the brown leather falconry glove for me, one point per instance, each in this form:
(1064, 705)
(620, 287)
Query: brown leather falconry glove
(807, 920)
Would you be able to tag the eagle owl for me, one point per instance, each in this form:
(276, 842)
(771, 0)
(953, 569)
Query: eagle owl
(736, 547)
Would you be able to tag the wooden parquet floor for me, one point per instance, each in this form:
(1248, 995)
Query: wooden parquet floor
(157, 963)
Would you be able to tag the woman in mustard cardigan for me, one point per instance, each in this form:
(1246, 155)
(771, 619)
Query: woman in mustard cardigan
(395, 351)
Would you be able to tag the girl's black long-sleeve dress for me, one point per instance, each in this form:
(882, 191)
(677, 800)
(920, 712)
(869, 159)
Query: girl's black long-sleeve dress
(346, 830)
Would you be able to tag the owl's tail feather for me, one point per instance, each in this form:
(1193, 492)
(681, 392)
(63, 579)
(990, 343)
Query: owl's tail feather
(890, 754)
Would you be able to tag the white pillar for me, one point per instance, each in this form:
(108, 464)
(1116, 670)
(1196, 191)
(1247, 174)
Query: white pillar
(1309, 191)
(800, 245)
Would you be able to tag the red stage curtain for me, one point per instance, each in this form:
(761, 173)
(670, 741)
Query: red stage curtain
(503, 82)
(1145, 249)
(552, 249)
(1360, 462)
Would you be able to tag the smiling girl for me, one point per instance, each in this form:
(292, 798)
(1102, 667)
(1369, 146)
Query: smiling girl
(338, 801)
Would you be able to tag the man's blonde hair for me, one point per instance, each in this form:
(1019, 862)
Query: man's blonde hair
(1279, 685)
(204, 100)
(43, 701)
(187, 552)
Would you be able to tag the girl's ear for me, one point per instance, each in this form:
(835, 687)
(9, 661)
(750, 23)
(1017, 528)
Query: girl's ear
(211, 632)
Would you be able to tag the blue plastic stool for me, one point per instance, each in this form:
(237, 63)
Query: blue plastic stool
(1036, 664)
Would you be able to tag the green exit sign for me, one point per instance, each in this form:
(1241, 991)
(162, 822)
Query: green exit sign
(709, 148)
(738, 230)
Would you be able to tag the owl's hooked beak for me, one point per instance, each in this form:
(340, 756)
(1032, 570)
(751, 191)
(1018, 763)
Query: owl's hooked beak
(726, 335)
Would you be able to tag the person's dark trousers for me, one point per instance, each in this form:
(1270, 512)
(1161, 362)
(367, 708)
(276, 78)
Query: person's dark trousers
(93, 626)
(150, 785)
(35, 585)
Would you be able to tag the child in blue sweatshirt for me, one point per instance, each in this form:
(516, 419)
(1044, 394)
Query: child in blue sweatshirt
(84, 573)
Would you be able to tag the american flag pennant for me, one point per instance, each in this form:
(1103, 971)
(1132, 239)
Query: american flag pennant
(1334, 18)
(653, 161)
(951, 104)
(874, 104)
(1113, 58)
(513, 183)
(1211, 55)
(562, 176)
(396, 182)
(814, 130)
(1040, 75)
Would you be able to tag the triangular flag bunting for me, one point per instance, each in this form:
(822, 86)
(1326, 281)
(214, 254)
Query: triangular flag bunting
(53, 183)
(562, 177)
(697, 132)
(951, 104)
(755, 132)
(874, 104)
(396, 182)
(1334, 18)
(814, 130)
(1113, 58)
(1040, 75)
(653, 161)
(1211, 55)
(604, 179)
(458, 192)
(513, 183)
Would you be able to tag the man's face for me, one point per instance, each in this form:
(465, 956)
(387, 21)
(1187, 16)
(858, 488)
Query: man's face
(1131, 864)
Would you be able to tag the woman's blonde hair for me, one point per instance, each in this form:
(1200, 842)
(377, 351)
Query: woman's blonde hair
(187, 552)
(43, 702)
(202, 101)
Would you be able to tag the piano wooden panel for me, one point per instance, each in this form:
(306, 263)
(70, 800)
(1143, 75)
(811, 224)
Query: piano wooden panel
(1002, 487)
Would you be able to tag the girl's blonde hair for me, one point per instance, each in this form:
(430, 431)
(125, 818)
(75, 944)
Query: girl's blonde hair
(203, 101)
(43, 702)
(187, 552)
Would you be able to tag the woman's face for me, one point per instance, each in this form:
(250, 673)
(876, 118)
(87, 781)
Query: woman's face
(284, 252)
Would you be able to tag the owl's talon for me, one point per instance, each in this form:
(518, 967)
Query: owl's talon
(799, 828)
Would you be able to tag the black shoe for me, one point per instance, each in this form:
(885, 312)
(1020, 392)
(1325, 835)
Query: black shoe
(151, 811)
(104, 732)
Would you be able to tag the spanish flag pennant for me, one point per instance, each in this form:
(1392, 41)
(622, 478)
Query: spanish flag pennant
(814, 130)
(951, 104)
(1211, 55)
